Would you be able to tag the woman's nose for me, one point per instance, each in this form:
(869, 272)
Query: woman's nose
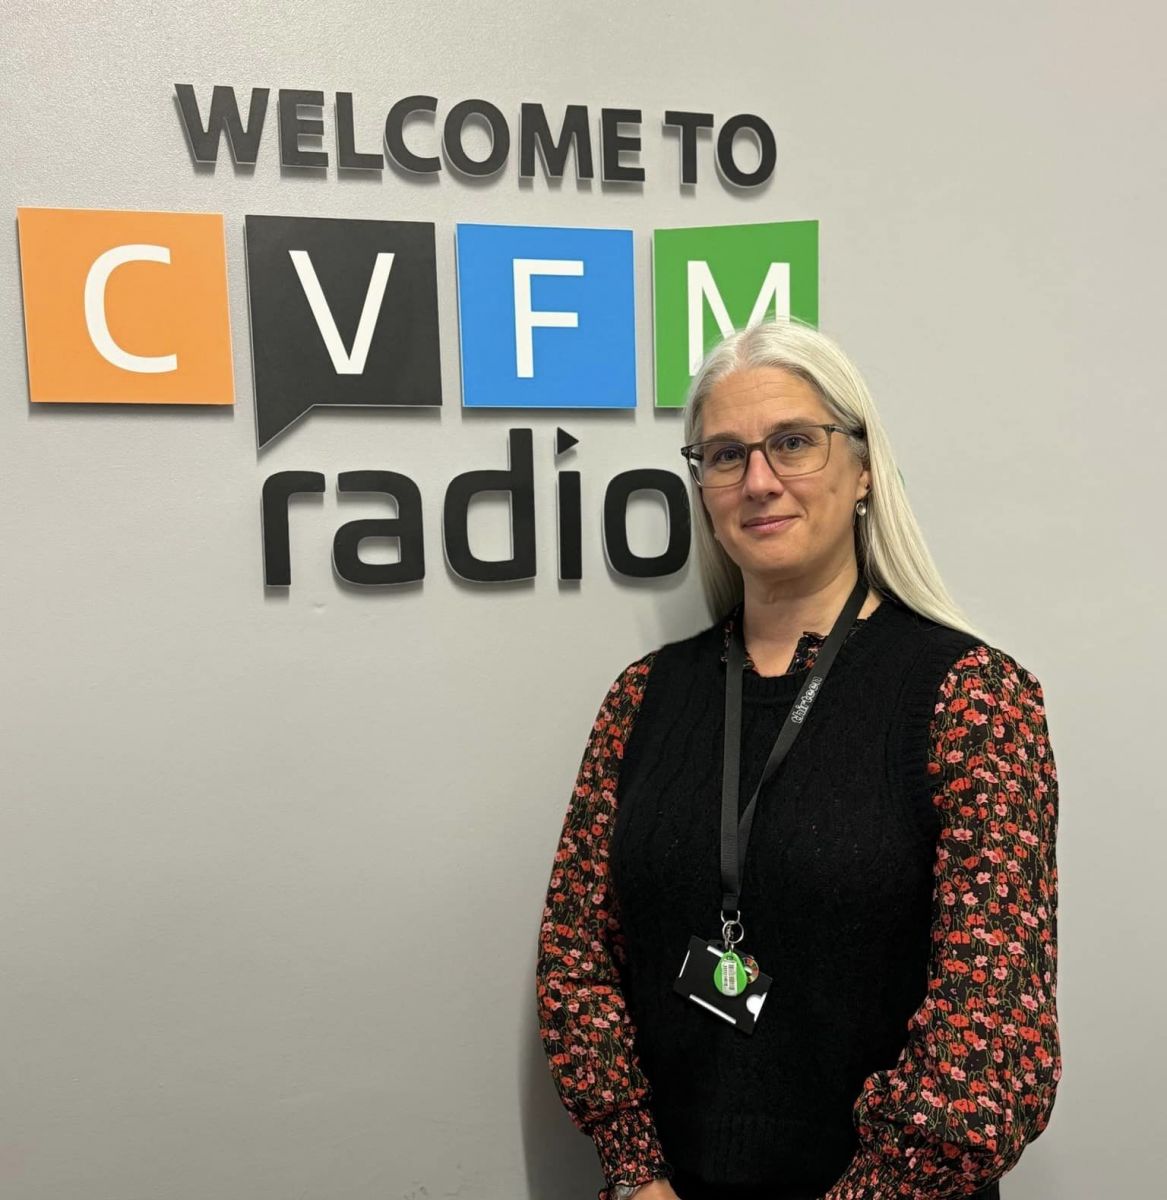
(760, 475)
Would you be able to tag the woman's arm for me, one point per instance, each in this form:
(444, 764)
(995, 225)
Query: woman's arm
(586, 1031)
(976, 1080)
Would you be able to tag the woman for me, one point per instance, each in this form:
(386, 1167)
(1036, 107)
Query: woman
(891, 894)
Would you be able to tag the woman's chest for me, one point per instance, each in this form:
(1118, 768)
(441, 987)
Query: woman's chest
(831, 841)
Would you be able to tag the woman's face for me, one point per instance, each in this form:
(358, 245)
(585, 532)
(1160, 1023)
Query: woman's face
(745, 406)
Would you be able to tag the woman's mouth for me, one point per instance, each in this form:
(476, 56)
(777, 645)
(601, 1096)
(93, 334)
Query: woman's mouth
(767, 524)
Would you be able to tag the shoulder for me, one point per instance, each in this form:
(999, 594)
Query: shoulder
(955, 658)
(919, 635)
(682, 657)
(696, 645)
(958, 689)
(985, 683)
(627, 689)
(680, 652)
(971, 711)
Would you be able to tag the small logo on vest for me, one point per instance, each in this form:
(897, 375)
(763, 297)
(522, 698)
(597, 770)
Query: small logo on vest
(798, 714)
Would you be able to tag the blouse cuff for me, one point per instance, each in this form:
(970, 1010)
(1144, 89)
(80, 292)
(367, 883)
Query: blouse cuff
(628, 1147)
(867, 1177)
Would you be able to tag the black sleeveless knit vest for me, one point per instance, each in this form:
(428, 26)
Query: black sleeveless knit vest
(836, 895)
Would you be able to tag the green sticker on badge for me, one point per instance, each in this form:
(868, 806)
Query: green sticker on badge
(730, 977)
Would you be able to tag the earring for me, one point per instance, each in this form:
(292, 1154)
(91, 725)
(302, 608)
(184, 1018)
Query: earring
(861, 507)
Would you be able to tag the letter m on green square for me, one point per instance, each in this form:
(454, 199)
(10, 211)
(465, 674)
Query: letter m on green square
(708, 282)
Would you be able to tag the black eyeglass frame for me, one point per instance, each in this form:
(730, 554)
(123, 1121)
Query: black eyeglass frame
(692, 451)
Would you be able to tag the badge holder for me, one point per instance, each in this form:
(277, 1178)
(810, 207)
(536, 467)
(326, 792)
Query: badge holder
(715, 977)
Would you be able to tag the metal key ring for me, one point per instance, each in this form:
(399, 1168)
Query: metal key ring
(728, 923)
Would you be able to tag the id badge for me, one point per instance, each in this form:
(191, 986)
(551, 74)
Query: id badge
(722, 985)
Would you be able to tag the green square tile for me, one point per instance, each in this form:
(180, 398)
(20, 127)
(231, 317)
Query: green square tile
(707, 281)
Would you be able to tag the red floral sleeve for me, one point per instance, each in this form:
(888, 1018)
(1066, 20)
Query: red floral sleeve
(585, 1027)
(976, 1080)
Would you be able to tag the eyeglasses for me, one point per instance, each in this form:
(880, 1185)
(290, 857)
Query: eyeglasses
(788, 451)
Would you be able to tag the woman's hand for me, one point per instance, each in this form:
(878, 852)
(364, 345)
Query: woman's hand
(656, 1189)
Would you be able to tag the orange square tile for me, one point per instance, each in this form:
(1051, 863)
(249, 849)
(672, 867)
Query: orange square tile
(125, 307)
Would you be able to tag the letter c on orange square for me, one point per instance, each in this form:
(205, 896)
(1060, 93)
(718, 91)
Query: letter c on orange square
(125, 307)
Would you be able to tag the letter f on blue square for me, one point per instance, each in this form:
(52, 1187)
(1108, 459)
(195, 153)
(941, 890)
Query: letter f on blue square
(546, 317)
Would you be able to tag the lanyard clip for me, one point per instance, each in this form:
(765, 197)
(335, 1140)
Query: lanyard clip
(732, 930)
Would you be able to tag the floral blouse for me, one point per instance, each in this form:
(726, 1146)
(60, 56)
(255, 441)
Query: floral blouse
(976, 1079)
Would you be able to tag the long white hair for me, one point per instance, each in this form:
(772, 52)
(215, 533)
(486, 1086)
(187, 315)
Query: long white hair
(889, 546)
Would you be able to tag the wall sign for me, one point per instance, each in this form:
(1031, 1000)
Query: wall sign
(708, 282)
(132, 308)
(516, 481)
(343, 312)
(125, 307)
(613, 137)
(562, 296)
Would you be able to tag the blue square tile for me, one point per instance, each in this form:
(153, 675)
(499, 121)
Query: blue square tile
(546, 317)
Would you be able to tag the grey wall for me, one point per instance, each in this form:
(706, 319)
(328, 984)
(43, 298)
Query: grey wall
(227, 814)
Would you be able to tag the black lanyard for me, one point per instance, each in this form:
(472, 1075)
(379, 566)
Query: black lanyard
(735, 838)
